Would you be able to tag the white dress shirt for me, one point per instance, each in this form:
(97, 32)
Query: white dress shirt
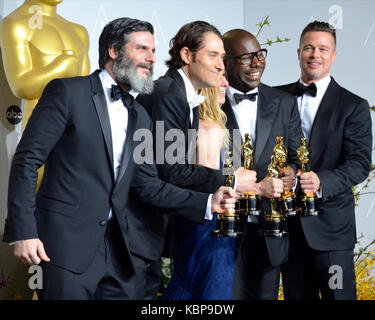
(194, 100)
(245, 112)
(308, 106)
(118, 118)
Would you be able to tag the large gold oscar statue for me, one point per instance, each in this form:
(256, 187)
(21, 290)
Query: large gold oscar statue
(39, 45)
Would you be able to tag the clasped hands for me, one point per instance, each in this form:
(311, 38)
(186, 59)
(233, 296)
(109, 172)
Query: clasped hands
(268, 187)
(309, 181)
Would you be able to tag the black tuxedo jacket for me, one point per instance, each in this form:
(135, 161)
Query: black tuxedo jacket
(69, 132)
(340, 143)
(277, 115)
(170, 110)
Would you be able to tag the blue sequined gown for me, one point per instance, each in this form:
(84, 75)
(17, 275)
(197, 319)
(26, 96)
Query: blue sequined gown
(203, 265)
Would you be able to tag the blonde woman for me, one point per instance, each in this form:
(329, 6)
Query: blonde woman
(203, 265)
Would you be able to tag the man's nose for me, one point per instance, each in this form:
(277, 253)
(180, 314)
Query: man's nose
(151, 57)
(220, 64)
(315, 52)
(254, 61)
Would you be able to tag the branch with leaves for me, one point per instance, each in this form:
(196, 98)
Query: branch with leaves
(269, 42)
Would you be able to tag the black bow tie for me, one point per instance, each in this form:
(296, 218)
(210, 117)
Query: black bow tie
(243, 96)
(310, 90)
(126, 98)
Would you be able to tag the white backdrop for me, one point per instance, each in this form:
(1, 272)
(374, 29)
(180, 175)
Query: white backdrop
(354, 67)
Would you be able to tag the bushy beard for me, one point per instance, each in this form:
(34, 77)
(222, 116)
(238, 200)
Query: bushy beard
(126, 74)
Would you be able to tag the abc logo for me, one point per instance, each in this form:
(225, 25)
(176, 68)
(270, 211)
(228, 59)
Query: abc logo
(14, 114)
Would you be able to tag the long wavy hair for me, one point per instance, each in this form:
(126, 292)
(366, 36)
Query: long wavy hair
(211, 110)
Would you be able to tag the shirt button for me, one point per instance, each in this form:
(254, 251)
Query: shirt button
(103, 223)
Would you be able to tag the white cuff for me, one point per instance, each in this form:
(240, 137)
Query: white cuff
(319, 193)
(295, 184)
(208, 215)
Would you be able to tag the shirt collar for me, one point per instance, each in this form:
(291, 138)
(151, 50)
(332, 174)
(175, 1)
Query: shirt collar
(108, 81)
(231, 91)
(191, 93)
(321, 86)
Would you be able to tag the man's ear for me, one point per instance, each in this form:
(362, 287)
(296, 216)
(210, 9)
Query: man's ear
(334, 55)
(113, 53)
(186, 55)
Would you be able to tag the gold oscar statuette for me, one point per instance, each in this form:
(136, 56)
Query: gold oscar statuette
(308, 201)
(287, 200)
(248, 202)
(275, 220)
(227, 224)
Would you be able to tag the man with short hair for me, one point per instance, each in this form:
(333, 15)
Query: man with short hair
(265, 113)
(80, 226)
(337, 126)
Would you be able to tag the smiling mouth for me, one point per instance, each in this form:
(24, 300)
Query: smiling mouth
(146, 69)
(253, 75)
(314, 64)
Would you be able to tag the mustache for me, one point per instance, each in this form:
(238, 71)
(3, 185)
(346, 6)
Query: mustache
(146, 65)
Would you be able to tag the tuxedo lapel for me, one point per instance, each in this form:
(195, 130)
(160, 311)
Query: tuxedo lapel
(266, 111)
(231, 119)
(318, 136)
(233, 128)
(102, 112)
(290, 88)
(128, 146)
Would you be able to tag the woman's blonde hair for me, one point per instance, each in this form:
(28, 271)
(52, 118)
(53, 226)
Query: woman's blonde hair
(211, 110)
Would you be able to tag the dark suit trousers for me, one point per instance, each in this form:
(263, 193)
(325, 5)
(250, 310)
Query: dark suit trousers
(254, 277)
(309, 271)
(109, 276)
